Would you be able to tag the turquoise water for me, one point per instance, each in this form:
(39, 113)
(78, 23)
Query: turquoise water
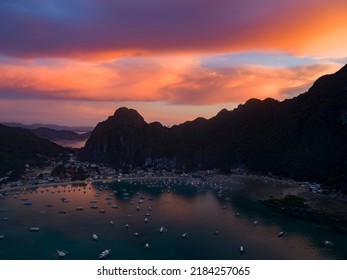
(178, 208)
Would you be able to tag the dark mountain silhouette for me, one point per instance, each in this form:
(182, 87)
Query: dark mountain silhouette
(62, 135)
(304, 138)
(18, 146)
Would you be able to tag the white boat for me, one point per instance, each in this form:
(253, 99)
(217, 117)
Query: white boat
(147, 246)
(61, 253)
(184, 235)
(104, 253)
(34, 229)
(280, 234)
(241, 249)
(255, 222)
(162, 229)
(136, 234)
(146, 220)
(111, 223)
(126, 226)
(95, 237)
(328, 242)
(2, 237)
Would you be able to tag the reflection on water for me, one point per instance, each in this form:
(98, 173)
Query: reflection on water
(215, 231)
(70, 143)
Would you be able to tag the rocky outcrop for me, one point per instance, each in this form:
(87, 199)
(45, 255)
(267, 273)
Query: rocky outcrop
(303, 138)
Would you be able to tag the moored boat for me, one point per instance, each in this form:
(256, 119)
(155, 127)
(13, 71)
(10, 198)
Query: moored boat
(241, 249)
(61, 253)
(162, 229)
(104, 253)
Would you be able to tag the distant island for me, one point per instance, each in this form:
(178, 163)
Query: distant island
(66, 136)
(49, 126)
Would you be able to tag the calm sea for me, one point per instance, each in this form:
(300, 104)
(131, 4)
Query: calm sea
(216, 225)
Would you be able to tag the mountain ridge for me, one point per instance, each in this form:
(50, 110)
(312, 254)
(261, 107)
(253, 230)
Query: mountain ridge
(20, 147)
(54, 135)
(50, 126)
(302, 138)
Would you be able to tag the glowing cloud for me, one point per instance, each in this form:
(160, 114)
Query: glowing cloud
(173, 80)
(104, 29)
(165, 57)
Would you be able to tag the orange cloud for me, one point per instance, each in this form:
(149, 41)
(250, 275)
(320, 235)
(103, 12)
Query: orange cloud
(174, 80)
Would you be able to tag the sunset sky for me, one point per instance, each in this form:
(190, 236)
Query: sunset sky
(74, 62)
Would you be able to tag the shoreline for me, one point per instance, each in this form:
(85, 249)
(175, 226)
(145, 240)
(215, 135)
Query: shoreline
(322, 209)
(76, 182)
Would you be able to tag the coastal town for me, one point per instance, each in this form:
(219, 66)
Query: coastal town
(73, 171)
